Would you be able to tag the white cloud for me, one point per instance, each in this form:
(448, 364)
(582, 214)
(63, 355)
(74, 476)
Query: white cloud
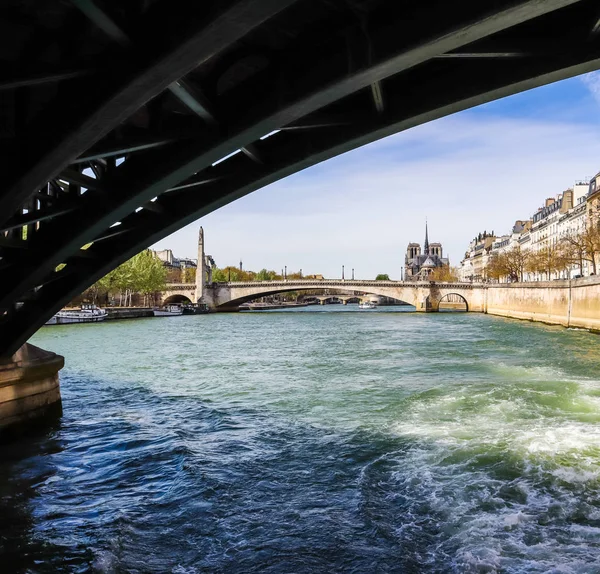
(592, 82)
(465, 173)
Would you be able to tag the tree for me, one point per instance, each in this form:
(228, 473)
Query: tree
(264, 275)
(582, 246)
(382, 277)
(547, 260)
(173, 274)
(516, 262)
(144, 273)
(511, 263)
(188, 275)
(148, 273)
(218, 275)
(445, 273)
(496, 267)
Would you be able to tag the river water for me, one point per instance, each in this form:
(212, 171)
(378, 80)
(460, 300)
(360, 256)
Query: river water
(321, 439)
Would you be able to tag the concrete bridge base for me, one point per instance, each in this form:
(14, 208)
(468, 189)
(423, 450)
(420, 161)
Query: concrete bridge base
(29, 389)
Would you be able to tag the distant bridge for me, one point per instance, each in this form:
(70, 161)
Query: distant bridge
(425, 296)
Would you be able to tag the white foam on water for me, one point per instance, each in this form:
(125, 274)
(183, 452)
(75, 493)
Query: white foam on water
(512, 520)
(105, 562)
(492, 522)
(530, 372)
(581, 440)
(478, 560)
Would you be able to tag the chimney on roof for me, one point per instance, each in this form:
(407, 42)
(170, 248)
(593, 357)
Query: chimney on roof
(549, 201)
(567, 201)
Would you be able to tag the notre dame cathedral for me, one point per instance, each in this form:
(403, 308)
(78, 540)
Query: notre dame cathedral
(418, 266)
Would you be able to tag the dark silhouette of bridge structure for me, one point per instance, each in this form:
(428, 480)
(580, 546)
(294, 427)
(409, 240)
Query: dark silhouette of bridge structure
(121, 122)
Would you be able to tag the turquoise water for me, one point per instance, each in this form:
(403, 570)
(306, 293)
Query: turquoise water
(321, 439)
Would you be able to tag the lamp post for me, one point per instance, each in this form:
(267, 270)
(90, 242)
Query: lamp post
(401, 273)
(342, 272)
(285, 276)
(352, 273)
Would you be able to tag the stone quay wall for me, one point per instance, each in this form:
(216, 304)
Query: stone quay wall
(570, 303)
(29, 387)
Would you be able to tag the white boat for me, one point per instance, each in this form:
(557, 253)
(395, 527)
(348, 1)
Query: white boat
(367, 305)
(87, 314)
(168, 311)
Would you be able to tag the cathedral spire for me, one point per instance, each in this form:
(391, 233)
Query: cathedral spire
(426, 246)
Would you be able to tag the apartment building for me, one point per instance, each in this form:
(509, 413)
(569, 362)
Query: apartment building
(562, 215)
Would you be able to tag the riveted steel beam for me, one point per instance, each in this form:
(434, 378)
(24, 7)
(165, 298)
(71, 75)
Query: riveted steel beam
(76, 177)
(122, 148)
(42, 78)
(18, 221)
(106, 100)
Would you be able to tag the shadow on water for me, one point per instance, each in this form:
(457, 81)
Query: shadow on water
(136, 489)
(25, 463)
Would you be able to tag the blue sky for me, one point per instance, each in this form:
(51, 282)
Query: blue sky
(479, 169)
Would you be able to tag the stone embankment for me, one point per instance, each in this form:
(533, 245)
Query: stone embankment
(570, 303)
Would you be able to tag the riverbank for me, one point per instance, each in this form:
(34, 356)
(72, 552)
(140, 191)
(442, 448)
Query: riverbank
(570, 303)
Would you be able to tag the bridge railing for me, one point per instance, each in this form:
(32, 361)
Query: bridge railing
(180, 287)
(312, 283)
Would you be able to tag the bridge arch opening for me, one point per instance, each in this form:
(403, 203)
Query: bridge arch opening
(229, 296)
(453, 302)
(177, 300)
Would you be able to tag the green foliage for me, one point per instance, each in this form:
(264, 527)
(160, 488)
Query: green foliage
(382, 277)
(444, 273)
(264, 275)
(144, 273)
(231, 273)
(218, 275)
(188, 275)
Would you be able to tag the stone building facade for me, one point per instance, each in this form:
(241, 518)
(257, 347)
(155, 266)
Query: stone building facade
(559, 216)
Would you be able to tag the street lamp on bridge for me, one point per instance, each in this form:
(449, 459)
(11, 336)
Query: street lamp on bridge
(352, 273)
(342, 272)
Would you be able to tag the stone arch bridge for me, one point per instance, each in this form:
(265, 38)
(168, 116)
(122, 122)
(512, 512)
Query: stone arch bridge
(425, 296)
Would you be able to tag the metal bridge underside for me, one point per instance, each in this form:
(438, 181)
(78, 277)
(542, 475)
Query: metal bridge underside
(114, 114)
